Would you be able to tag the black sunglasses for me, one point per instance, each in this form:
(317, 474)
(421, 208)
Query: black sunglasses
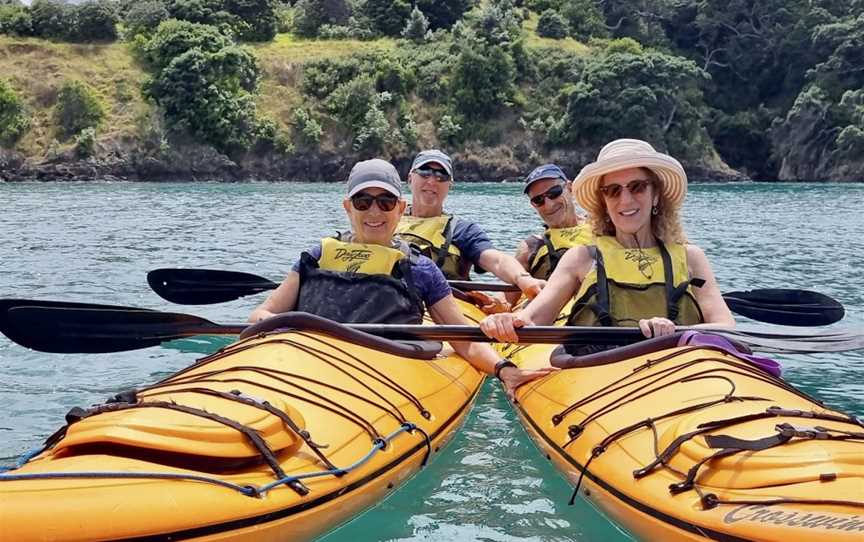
(613, 191)
(553, 193)
(363, 201)
(440, 174)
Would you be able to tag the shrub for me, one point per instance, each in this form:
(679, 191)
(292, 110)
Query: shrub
(552, 25)
(77, 109)
(483, 80)
(307, 127)
(584, 18)
(311, 15)
(373, 132)
(14, 119)
(259, 16)
(85, 143)
(449, 129)
(173, 38)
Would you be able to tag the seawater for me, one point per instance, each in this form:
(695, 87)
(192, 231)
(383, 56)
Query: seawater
(95, 242)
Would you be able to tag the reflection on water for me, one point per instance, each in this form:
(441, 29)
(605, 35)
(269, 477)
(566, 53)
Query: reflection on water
(96, 242)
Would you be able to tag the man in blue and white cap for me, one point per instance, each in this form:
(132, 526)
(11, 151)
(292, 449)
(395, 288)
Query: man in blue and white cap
(548, 191)
(454, 244)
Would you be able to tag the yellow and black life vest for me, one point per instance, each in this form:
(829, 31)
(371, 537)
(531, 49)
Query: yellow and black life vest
(357, 282)
(433, 236)
(627, 285)
(548, 249)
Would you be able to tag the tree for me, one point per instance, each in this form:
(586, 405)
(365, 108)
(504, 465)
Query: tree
(652, 96)
(443, 13)
(259, 16)
(417, 27)
(388, 17)
(95, 21)
(483, 80)
(311, 15)
(51, 18)
(584, 19)
(144, 17)
(15, 20)
(552, 25)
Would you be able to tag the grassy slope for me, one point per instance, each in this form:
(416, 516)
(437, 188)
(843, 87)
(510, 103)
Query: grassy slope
(36, 69)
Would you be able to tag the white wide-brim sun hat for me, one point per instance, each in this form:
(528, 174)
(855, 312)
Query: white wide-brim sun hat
(625, 154)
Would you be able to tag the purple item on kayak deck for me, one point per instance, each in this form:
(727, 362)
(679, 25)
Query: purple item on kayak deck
(696, 338)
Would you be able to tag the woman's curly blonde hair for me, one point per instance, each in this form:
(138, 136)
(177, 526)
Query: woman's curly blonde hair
(665, 225)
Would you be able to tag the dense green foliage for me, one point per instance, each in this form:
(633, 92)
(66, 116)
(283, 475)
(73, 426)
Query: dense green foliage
(205, 85)
(773, 87)
(78, 108)
(14, 120)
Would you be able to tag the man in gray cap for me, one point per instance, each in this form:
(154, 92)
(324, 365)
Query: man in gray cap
(454, 244)
(364, 276)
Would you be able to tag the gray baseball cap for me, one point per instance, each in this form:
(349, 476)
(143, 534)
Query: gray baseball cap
(374, 173)
(433, 155)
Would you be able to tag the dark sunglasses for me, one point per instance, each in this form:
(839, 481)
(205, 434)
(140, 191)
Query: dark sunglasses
(440, 175)
(363, 201)
(613, 191)
(553, 193)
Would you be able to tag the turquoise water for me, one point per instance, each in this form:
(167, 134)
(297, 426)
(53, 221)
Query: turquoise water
(96, 242)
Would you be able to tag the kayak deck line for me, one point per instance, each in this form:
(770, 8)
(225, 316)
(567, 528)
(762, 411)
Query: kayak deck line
(695, 443)
(247, 490)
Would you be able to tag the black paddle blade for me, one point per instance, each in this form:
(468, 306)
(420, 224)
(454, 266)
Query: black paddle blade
(786, 307)
(84, 329)
(205, 286)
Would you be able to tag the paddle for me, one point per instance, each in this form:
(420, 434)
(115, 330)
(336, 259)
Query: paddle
(46, 327)
(772, 305)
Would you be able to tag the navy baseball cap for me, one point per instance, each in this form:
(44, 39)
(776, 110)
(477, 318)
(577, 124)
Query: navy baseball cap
(546, 171)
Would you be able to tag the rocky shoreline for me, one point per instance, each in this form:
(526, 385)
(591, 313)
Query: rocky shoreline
(202, 163)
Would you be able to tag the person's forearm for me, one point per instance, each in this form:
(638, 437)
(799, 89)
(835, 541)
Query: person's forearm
(480, 355)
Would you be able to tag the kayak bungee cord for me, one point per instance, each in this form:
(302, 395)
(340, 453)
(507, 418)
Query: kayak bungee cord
(185, 383)
(247, 490)
(785, 433)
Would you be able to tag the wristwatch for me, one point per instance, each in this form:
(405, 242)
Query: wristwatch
(501, 365)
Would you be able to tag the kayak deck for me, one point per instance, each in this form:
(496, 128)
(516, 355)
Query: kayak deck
(695, 443)
(285, 435)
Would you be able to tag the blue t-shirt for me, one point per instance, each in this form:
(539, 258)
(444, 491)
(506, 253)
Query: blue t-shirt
(471, 240)
(429, 281)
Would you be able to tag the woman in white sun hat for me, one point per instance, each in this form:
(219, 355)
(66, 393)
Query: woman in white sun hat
(640, 270)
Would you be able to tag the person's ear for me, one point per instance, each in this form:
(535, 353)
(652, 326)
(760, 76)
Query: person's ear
(402, 206)
(346, 204)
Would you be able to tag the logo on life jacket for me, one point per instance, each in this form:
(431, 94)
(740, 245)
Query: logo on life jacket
(643, 260)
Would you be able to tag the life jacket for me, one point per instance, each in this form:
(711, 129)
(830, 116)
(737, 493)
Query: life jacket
(433, 236)
(360, 283)
(627, 285)
(552, 245)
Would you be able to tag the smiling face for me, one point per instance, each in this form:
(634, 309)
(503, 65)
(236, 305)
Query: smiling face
(630, 212)
(428, 193)
(374, 225)
(558, 212)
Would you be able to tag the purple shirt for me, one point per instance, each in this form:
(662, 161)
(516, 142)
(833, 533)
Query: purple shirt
(429, 281)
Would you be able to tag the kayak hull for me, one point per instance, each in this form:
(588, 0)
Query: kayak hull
(798, 490)
(376, 416)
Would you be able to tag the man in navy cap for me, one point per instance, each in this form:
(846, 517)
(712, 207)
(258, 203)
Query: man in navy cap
(453, 243)
(548, 190)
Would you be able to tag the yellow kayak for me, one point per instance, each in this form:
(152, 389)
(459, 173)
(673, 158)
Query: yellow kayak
(694, 443)
(283, 435)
